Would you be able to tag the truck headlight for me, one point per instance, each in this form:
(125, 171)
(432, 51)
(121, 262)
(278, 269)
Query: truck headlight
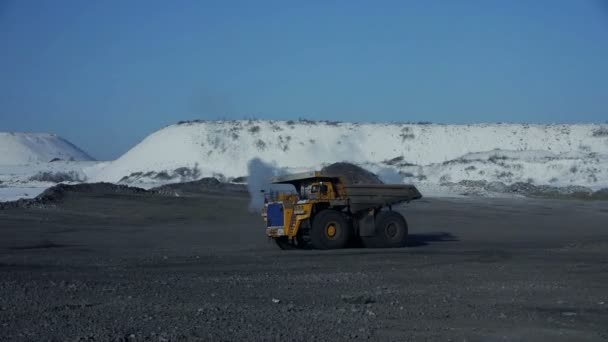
(299, 209)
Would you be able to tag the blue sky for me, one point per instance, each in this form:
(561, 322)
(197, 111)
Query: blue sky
(105, 74)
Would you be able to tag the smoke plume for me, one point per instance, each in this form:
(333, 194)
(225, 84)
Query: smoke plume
(389, 176)
(258, 179)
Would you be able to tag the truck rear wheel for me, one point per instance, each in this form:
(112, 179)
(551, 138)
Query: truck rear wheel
(330, 230)
(390, 231)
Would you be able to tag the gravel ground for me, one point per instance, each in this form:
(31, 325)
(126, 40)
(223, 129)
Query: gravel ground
(134, 267)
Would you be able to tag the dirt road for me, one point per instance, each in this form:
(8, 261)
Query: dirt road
(157, 268)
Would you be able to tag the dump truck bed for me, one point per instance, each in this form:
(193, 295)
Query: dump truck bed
(365, 196)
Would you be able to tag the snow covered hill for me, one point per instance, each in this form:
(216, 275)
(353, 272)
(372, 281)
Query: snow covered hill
(32, 162)
(558, 155)
(27, 148)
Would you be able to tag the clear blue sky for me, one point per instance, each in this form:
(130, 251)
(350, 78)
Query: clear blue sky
(105, 74)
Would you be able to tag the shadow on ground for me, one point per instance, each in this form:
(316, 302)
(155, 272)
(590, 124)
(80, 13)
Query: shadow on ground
(40, 245)
(418, 240)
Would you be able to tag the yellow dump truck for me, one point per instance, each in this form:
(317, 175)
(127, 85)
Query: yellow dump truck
(322, 211)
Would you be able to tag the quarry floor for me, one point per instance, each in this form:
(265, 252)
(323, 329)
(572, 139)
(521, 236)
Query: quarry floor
(154, 268)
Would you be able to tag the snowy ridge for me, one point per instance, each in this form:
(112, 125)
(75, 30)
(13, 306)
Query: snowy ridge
(27, 148)
(539, 154)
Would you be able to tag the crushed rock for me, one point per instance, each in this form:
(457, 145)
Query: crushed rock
(352, 173)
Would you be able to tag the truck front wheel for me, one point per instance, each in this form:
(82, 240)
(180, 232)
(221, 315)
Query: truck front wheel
(330, 230)
(284, 243)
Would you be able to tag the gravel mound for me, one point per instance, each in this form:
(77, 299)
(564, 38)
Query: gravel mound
(352, 174)
(60, 190)
(601, 194)
(57, 177)
(203, 185)
(57, 193)
(531, 190)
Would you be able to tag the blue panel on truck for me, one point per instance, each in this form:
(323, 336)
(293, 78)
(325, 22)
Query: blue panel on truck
(275, 215)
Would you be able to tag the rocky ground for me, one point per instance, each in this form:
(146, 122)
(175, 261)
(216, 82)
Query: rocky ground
(135, 266)
(484, 188)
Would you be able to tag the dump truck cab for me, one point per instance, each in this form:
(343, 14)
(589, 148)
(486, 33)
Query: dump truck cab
(322, 211)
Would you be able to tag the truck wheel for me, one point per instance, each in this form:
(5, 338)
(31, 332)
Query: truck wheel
(303, 239)
(283, 243)
(330, 230)
(390, 231)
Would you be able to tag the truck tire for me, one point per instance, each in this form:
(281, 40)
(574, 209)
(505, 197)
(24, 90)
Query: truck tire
(330, 230)
(390, 231)
(284, 243)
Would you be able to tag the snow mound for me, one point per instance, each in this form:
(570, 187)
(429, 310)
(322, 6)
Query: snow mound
(27, 148)
(557, 155)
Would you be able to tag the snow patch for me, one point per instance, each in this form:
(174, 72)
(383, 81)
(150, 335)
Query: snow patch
(26, 148)
(13, 194)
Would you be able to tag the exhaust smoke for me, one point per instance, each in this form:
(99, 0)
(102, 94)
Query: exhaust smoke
(258, 179)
